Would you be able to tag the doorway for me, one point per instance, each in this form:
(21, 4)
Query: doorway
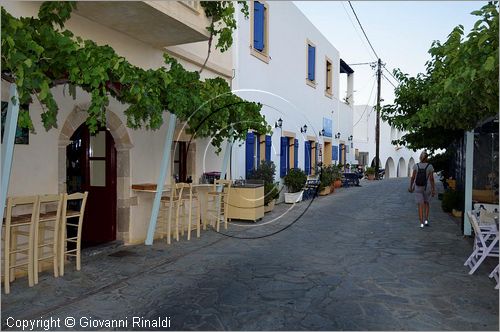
(91, 166)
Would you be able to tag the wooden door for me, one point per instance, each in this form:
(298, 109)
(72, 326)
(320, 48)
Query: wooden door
(96, 173)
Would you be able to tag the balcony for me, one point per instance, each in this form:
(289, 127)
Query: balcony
(158, 23)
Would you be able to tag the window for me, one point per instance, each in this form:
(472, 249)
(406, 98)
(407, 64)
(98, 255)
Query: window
(328, 86)
(311, 64)
(289, 153)
(257, 149)
(259, 31)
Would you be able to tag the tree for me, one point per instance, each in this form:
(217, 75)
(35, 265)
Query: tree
(458, 90)
(39, 53)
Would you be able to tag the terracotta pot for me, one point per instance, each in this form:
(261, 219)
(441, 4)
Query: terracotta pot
(270, 206)
(338, 183)
(332, 188)
(325, 191)
(371, 176)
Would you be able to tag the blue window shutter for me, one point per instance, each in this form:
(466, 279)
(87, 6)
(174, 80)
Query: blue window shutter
(311, 62)
(335, 152)
(296, 154)
(283, 155)
(307, 157)
(287, 154)
(257, 144)
(268, 147)
(258, 26)
(249, 152)
(316, 151)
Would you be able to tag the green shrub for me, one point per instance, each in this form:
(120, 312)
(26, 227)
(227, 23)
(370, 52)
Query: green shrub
(326, 177)
(270, 192)
(266, 172)
(452, 199)
(295, 180)
(370, 171)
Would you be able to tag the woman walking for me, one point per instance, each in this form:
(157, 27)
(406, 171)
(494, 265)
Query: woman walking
(423, 175)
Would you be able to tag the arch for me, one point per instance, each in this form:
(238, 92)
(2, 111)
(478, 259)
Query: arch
(373, 162)
(123, 145)
(401, 171)
(390, 168)
(411, 163)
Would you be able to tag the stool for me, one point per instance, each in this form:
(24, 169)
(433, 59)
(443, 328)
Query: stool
(219, 197)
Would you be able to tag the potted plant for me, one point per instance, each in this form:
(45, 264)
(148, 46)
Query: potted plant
(370, 172)
(325, 181)
(294, 182)
(337, 175)
(266, 172)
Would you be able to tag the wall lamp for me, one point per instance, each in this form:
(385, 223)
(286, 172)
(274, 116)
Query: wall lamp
(350, 138)
(278, 124)
(303, 129)
(337, 135)
(322, 132)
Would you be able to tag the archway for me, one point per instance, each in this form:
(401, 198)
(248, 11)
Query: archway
(390, 168)
(401, 172)
(373, 162)
(411, 164)
(123, 145)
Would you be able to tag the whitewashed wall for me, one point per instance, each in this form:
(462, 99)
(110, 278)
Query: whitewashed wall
(280, 85)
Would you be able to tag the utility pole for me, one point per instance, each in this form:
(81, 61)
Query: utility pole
(377, 126)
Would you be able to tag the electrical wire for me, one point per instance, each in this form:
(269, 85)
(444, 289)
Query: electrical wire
(389, 81)
(387, 70)
(354, 26)
(366, 107)
(363, 30)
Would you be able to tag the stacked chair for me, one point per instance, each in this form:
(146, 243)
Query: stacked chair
(32, 239)
(218, 202)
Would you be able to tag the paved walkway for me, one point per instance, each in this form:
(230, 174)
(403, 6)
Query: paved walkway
(356, 260)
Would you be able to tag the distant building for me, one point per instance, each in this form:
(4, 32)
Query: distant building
(398, 161)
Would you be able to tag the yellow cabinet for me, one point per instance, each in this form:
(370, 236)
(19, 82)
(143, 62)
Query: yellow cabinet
(246, 203)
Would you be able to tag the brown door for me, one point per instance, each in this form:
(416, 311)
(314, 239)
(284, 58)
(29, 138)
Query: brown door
(96, 157)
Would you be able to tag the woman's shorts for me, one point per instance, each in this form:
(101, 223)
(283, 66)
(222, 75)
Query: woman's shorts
(422, 195)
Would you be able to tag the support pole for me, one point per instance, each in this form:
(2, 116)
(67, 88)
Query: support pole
(9, 137)
(161, 179)
(469, 165)
(377, 126)
(227, 154)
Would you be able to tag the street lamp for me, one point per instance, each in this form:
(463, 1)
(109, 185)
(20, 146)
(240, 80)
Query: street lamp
(337, 135)
(303, 129)
(278, 124)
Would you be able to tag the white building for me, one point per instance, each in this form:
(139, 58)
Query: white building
(47, 163)
(282, 61)
(397, 160)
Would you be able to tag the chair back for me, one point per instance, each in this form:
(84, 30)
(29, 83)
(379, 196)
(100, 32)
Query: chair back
(222, 184)
(70, 198)
(18, 201)
(51, 199)
(475, 226)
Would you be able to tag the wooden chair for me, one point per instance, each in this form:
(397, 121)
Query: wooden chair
(167, 204)
(14, 227)
(66, 215)
(485, 244)
(49, 221)
(217, 203)
(187, 198)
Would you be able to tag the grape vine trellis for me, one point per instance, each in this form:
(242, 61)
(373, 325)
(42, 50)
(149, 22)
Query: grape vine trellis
(39, 53)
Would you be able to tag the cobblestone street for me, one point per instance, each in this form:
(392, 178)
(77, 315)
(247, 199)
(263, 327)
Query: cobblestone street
(355, 260)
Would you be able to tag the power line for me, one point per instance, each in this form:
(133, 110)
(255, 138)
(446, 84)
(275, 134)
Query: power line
(389, 81)
(369, 99)
(363, 30)
(362, 63)
(387, 70)
(354, 26)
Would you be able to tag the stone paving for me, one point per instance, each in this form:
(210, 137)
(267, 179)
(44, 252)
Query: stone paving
(354, 260)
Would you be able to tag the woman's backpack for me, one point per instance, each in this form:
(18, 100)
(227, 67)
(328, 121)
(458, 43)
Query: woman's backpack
(421, 179)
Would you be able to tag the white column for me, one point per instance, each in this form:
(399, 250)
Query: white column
(469, 164)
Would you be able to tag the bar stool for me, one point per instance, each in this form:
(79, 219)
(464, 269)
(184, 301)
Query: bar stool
(167, 204)
(67, 214)
(49, 221)
(219, 199)
(14, 227)
(187, 199)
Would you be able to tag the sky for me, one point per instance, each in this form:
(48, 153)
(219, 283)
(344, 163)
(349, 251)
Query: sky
(401, 32)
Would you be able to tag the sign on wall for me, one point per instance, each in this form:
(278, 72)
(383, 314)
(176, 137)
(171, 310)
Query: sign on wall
(327, 127)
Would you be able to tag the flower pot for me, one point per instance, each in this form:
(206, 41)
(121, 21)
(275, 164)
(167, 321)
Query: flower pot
(293, 197)
(325, 191)
(371, 176)
(338, 183)
(270, 206)
(332, 188)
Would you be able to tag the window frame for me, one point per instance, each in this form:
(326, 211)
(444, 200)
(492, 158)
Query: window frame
(312, 83)
(329, 78)
(264, 54)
